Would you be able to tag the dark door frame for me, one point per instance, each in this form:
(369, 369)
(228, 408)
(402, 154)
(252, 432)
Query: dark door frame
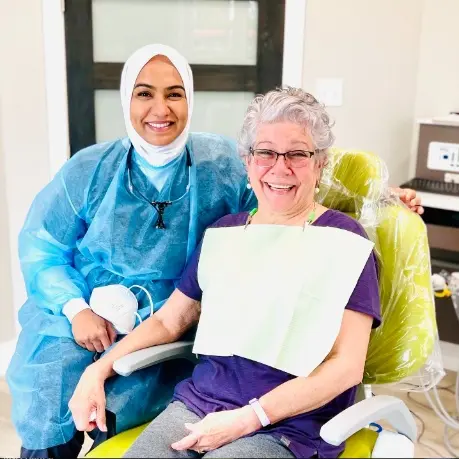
(84, 75)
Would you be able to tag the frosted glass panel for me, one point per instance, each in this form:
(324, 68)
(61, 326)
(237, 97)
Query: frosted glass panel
(217, 112)
(220, 112)
(109, 115)
(204, 31)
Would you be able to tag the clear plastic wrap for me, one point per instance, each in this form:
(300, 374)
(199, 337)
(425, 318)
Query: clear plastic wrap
(404, 350)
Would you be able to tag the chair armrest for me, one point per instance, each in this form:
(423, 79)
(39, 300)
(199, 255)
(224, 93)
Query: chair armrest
(358, 416)
(153, 355)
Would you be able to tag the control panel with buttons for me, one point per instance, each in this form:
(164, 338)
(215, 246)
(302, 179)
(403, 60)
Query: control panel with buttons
(443, 156)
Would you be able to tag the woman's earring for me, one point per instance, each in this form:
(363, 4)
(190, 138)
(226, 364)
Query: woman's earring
(249, 186)
(317, 189)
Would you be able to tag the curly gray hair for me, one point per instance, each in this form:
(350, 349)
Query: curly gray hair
(288, 104)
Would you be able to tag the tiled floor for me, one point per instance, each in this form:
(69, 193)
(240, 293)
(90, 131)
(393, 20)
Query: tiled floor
(430, 444)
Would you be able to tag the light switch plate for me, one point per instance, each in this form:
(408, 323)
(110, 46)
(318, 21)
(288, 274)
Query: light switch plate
(329, 91)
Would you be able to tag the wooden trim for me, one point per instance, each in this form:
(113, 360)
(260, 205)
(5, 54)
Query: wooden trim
(80, 87)
(270, 44)
(206, 77)
(224, 77)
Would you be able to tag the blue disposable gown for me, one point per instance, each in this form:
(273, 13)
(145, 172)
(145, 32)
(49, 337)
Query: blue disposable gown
(89, 228)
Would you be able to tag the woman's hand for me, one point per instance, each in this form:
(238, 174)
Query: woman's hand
(92, 331)
(218, 429)
(89, 398)
(409, 198)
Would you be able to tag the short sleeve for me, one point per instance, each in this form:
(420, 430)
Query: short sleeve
(188, 283)
(365, 297)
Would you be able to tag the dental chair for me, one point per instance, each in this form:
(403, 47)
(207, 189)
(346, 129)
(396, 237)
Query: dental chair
(400, 349)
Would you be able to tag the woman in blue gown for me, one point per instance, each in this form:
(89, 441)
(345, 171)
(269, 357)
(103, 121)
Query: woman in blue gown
(125, 212)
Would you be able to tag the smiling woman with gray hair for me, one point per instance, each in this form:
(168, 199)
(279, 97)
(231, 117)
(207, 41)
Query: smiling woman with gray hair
(281, 352)
(289, 105)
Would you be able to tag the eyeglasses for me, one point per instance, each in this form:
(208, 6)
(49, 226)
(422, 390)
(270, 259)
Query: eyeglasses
(268, 158)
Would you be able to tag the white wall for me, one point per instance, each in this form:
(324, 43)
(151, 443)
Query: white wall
(23, 133)
(437, 86)
(438, 75)
(7, 323)
(374, 46)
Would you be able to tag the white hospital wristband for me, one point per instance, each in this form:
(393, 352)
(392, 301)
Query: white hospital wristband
(260, 412)
(73, 307)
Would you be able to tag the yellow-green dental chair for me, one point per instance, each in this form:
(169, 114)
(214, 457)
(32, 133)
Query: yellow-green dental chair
(401, 349)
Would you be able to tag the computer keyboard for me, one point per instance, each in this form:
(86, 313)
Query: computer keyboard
(432, 186)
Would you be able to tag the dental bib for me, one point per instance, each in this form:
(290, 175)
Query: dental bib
(276, 294)
(117, 304)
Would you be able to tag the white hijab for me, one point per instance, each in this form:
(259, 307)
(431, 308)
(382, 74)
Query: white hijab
(155, 155)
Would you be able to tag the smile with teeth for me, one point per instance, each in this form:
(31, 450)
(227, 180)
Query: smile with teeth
(160, 125)
(276, 186)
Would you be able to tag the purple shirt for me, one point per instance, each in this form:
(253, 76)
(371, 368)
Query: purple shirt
(226, 383)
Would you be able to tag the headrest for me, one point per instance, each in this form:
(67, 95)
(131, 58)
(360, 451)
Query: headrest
(352, 179)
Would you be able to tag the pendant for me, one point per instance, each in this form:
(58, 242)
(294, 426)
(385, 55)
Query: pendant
(160, 207)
